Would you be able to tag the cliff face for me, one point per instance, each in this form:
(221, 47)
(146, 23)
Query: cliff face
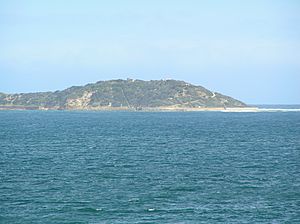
(123, 94)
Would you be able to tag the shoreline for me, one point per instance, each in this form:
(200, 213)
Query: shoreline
(137, 109)
(151, 109)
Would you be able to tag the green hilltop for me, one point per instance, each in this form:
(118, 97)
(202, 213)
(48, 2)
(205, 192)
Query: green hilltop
(121, 94)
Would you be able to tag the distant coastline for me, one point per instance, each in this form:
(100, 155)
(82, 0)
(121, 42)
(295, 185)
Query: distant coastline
(147, 109)
(130, 94)
(160, 109)
(134, 95)
(274, 108)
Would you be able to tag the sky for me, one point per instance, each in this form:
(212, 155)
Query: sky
(249, 50)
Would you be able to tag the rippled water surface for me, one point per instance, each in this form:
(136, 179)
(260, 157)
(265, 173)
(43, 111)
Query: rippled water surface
(122, 167)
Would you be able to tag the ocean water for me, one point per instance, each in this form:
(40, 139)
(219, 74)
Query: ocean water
(135, 167)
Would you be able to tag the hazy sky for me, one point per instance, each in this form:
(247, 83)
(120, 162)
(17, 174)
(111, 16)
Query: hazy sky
(247, 49)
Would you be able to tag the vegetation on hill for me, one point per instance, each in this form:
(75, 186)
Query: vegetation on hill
(124, 94)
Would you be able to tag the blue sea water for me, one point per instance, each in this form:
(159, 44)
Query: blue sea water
(135, 167)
